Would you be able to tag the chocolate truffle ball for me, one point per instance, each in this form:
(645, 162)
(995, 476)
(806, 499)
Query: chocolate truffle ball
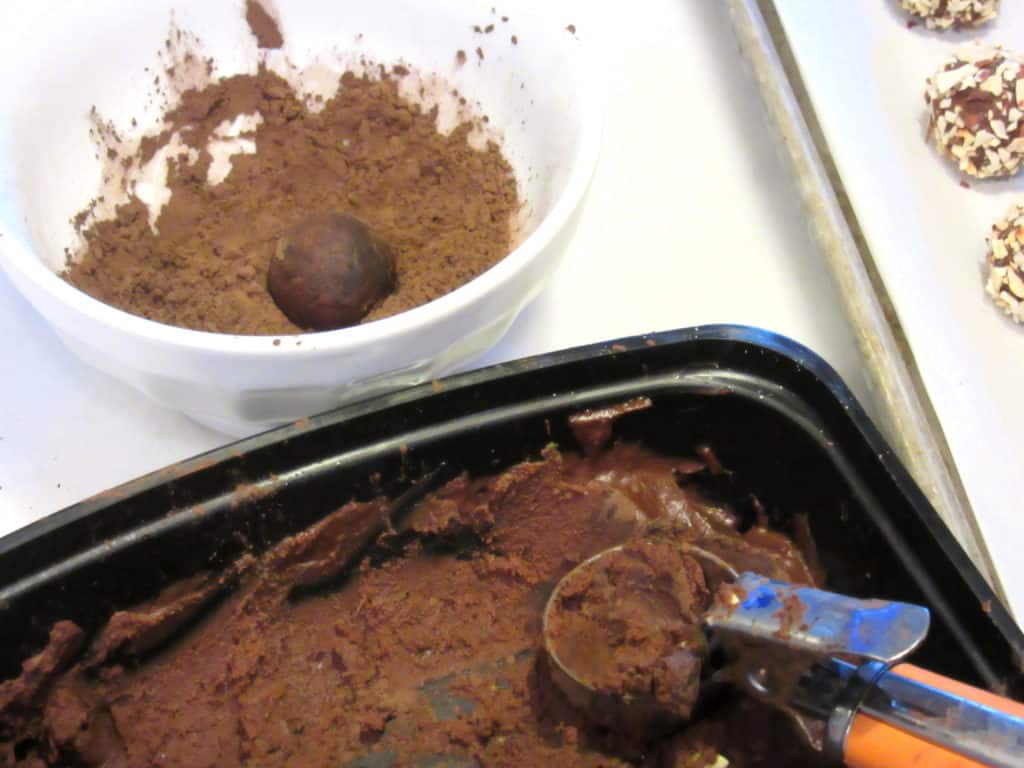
(977, 103)
(946, 14)
(1006, 263)
(329, 272)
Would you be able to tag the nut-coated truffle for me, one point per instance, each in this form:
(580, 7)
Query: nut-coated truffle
(976, 100)
(1005, 282)
(952, 14)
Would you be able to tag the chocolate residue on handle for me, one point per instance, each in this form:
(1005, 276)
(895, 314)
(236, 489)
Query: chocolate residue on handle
(262, 25)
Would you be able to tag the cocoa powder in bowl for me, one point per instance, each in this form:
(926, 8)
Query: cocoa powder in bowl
(444, 207)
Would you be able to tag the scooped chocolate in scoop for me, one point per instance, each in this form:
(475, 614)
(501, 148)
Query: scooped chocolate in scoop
(330, 271)
(629, 625)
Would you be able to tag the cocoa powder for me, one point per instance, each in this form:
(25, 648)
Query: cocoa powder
(444, 207)
(262, 25)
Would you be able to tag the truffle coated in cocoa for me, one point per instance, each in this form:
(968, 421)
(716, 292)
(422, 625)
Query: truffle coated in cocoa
(329, 272)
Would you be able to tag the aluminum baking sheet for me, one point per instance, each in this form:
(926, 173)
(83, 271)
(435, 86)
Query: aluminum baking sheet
(899, 402)
(864, 71)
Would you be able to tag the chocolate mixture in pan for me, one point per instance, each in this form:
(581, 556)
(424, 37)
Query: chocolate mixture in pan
(395, 634)
(442, 206)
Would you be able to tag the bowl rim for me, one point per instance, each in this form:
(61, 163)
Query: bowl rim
(17, 254)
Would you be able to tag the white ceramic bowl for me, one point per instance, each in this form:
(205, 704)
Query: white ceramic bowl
(69, 55)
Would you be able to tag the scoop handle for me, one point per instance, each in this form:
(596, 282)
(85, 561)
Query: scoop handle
(877, 739)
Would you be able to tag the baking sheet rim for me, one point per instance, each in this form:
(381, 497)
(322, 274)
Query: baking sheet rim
(899, 399)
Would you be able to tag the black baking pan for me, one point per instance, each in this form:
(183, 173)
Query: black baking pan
(774, 412)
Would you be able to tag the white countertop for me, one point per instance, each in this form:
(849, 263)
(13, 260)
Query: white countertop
(692, 219)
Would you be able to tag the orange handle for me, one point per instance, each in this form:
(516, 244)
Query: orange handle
(874, 744)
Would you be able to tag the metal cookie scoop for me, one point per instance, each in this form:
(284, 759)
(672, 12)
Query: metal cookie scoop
(824, 658)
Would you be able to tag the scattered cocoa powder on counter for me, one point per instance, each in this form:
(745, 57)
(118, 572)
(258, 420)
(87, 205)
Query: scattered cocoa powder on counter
(263, 26)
